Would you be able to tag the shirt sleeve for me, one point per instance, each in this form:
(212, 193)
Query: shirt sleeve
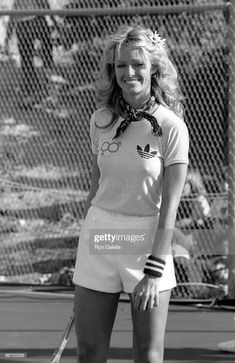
(176, 144)
(93, 135)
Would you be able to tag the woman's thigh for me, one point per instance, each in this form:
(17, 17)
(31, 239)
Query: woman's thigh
(95, 313)
(149, 330)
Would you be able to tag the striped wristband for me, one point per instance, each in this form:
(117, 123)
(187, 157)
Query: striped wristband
(154, 266)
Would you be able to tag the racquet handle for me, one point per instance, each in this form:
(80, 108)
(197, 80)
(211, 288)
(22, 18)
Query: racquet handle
(63, 341)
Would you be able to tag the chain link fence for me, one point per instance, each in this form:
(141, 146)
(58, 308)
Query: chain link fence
(47, 61)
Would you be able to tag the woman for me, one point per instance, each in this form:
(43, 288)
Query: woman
(140, 156)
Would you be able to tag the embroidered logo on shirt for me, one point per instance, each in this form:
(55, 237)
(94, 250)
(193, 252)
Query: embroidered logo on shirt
(146, 154)
(109, 147)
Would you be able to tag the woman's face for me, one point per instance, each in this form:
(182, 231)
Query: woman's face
(133, 73)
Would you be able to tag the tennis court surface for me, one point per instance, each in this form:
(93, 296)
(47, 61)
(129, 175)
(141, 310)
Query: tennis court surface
(33, 323)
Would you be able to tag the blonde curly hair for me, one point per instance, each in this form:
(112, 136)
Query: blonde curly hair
(164, 83)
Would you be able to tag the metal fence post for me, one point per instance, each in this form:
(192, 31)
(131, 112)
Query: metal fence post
(231, 150)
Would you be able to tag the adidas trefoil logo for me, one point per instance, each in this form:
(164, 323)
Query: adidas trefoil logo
(146, 154)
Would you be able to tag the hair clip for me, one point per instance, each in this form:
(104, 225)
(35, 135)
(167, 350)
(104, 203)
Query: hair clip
(157, 40)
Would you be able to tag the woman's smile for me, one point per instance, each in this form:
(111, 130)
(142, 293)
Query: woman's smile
(132, 82)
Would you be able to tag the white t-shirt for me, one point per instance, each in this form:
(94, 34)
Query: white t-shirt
(131, 166)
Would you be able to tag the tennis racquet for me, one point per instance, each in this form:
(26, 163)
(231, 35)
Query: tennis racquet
(63, 341)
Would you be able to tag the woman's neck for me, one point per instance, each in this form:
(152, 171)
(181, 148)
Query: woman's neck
(137, 103)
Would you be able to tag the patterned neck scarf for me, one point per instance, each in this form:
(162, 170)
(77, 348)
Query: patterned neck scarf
(135, 115)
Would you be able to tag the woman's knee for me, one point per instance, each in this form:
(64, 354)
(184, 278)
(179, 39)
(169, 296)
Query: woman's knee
(149, 355)
(94, 353)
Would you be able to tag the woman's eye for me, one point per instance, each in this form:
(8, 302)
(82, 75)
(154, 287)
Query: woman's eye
(134, 65)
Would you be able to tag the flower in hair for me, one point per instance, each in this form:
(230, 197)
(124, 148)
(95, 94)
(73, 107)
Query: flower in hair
(157, 40)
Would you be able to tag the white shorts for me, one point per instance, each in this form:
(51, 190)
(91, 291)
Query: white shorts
(117, 266)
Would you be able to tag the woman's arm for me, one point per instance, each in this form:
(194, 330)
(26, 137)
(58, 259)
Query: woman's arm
(146, 293)
(173, 183)
(94, 183)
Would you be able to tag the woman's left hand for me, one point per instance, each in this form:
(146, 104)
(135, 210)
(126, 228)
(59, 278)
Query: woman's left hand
(146, 293)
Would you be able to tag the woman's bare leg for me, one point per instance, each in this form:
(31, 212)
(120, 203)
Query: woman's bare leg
(95, 313)
(149, 331)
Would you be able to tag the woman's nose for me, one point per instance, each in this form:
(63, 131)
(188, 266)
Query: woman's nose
(130, 70)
